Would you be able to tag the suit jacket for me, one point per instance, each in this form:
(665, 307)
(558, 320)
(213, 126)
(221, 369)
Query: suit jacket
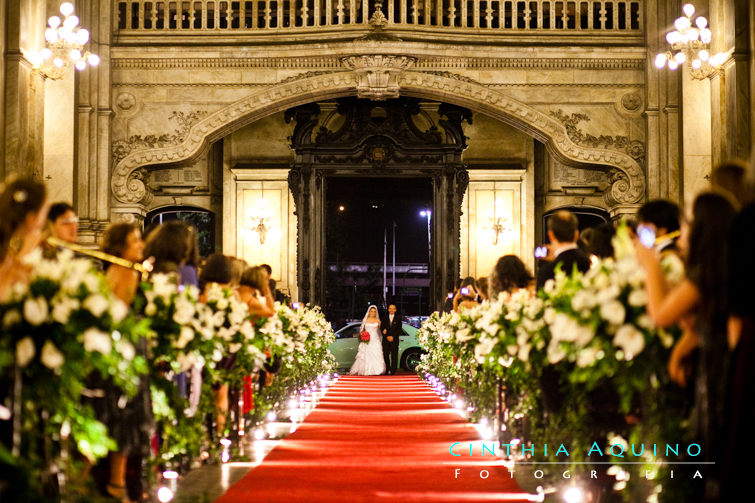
(568, 260)
(395, 329)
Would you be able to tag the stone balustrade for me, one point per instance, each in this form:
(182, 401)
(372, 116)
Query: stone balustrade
(538, 20)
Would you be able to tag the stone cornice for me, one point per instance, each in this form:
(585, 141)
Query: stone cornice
(333, 62)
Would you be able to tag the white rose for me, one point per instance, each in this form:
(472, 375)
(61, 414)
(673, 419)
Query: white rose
(25, 351)
(587, 356)
(61, 311)
(644, 321)
(163, 285)
(126, 349)
(613, 312)
(96, 340)
(234, 347)
(184, 337)
(524, 352)
(96, 304)
(35, 311)
(218, 318)
(483, 348)
(118, 310)
(92, 282)
(186, 362)
(630, 340)
(555, 352)
(51, 357)
(223, 304)
(463, 335)
(184, 311)
(583, 299)
(150, 310)
(11, 318)
(638, 297)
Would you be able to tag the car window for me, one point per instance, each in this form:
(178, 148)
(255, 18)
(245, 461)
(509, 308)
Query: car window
(348, 332)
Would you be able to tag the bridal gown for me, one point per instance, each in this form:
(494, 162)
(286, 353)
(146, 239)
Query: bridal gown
(369, 360)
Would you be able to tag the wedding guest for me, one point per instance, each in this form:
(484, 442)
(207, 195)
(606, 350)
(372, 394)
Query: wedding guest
(237, 269)
(255, 292)
(448, 305)
(482, 284)
(172, 246)
(23, 206)
(740, 409)
(600, 243)
(467, 296)
(130, 423)
(563, 233)
(509, 275)
(730, 177)
(703, 294)
(218, 270)
(64, 223)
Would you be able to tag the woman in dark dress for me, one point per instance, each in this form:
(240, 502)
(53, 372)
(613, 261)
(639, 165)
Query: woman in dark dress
(130, 422)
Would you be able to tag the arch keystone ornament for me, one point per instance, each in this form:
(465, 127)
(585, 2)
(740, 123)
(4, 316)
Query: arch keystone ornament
(377, 74)
(129, 189)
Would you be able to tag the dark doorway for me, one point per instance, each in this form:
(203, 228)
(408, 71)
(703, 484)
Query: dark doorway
(586, 216)
(202, 220)
(362, 214)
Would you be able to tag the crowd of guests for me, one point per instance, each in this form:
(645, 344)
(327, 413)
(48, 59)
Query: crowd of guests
(172, 247)
(699, 278)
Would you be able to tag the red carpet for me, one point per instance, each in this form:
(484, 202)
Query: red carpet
(377, 438)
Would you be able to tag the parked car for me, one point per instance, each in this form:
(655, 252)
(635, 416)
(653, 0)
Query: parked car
(347, 343)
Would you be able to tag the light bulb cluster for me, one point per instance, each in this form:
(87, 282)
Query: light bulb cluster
(65, 45)
(690, 41)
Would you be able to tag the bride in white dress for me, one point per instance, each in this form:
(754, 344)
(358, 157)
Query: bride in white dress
(369, 360)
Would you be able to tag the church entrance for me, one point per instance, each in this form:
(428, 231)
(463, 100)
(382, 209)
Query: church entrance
(399, 141)
(377, 245)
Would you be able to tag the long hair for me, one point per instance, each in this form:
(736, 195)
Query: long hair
(115, 238)
(18, 199)
(171, 245)
(713, 214)
(508, 274)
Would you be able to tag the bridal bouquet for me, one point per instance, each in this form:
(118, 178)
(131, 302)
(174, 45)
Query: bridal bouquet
(62, 327)
(364, 336)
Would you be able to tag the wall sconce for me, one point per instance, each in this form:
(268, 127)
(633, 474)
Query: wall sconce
(260, 218)
(65, 46)
(497, 223)
(691, 43)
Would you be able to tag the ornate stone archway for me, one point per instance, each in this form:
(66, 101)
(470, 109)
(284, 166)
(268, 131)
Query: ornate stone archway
(628, 180)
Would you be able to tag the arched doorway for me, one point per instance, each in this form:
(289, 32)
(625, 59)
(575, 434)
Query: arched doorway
(201, 219)
(378, 139)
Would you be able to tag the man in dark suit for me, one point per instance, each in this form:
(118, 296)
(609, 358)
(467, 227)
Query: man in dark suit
(392, 327)
(563, 233)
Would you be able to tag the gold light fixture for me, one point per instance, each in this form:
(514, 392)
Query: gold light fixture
(65, 46)
(690, 42)
(260, 218)
(497, 223)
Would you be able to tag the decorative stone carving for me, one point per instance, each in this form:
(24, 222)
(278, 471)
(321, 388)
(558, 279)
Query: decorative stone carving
(471, 94)
(377, 74)
(122, 148)
(631, 103)
(125, 101)
(625, 185)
